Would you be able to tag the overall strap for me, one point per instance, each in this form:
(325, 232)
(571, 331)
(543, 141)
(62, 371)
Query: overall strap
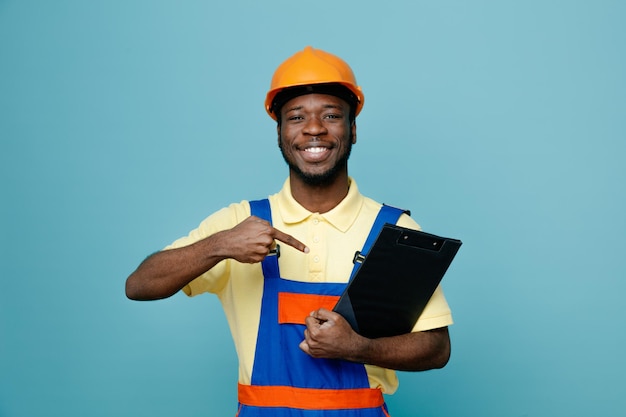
(386, 214)
(261, 209)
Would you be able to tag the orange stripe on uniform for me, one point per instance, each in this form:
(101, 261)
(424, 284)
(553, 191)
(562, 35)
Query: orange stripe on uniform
(309, 398)
(294, 308)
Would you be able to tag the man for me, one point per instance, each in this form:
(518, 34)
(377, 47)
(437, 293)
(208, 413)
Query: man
(279, 265)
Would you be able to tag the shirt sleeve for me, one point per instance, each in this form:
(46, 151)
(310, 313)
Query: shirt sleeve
(214, 279)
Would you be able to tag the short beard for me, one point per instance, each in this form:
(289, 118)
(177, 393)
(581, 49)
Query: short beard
(323, 178)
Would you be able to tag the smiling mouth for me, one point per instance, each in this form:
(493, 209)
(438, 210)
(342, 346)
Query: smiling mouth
(316, 149)
(315, 154)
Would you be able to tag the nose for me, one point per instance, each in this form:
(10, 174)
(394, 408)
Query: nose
(314, 127)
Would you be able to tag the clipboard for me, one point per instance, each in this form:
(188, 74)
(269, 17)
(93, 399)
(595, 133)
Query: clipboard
(396, 279)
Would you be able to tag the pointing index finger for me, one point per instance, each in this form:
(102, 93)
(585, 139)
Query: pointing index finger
(290, 240)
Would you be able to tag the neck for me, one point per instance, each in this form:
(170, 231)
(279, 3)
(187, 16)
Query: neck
(319, 198)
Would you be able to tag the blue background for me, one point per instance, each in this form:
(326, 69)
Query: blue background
(124, 123)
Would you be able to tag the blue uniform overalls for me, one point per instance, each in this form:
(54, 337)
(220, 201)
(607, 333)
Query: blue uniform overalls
(286, 382)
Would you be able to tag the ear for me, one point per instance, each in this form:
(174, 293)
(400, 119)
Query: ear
(353, 132)
(278, 133)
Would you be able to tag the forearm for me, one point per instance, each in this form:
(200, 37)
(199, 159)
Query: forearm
(164, 273)
(328, 335)
(417, 351)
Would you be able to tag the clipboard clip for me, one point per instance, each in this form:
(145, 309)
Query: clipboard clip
(358, 257)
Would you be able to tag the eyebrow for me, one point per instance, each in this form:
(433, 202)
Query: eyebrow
(293, 109)
(325, 106)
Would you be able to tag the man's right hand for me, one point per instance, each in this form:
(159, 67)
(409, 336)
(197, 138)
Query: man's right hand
(253, 239)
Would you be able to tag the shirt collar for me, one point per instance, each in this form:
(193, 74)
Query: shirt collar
(341, 217)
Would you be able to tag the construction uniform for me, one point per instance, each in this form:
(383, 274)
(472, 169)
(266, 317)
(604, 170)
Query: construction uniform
(266, 312)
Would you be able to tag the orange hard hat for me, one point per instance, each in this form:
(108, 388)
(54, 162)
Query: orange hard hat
(310, 67)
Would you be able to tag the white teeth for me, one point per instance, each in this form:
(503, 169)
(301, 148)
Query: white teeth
(315, 150)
